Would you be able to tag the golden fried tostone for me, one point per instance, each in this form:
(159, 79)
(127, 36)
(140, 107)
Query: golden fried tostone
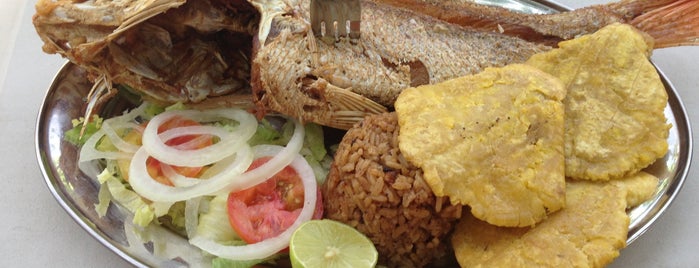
(588, 232)
(493, 141)
(614, 119)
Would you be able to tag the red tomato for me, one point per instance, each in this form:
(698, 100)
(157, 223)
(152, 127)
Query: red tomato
(154, 166)
(269, 208)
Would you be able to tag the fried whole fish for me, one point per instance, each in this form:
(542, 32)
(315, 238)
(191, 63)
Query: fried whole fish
(405, 45)
(552, 28)
(337, 85)
(168, 50)
(177, 51)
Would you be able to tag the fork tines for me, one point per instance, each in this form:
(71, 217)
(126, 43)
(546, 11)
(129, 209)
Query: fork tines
(332, 19)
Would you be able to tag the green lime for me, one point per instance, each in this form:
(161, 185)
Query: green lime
(328, 243)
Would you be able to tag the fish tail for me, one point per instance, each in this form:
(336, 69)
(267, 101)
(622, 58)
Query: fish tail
(671, 22)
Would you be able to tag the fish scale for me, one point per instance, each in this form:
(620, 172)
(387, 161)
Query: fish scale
(378, 69)
(403, 43)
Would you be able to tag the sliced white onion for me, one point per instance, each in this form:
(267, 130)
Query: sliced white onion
(155, 145)
(132, 114)
(177, 179)
(119, 143)
(270, 246)
(89, 152)
(217, 168)
(193, 143)
(161, 208)
(231, 178)
(279, 160)
(228, 144)
(191, 215)
(143, 184)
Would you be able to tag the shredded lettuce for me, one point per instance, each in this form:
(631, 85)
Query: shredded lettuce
(313, 145)
(152, 110)
(320, 167)
(213, 219)
(74, 135)
(114, 189)
(175, 107)
(227, 263)
(214, 223)
(176, 213)
(315, 153)
(104, 197)
(266, 134)
(315, 141)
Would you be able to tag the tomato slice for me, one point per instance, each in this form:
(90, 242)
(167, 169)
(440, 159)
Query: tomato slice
(269, 208)
(190, 142)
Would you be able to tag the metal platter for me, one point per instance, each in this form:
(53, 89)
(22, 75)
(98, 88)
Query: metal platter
(76, 192)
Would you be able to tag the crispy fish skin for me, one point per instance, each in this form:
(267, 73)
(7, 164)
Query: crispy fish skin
(493, 141)
(669, 22)
(615, 121)
(588, 232)
(337, 85)
(191, 51)
(649, 16)
(295, 74)
(195, 50)
(541, 28)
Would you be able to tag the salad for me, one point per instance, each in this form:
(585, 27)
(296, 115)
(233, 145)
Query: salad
(236, 187)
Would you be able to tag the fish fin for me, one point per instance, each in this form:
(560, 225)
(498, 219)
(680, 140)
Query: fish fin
(238, 100)
(149, 9)
(100, 92)
(350, 107)
(673, 24)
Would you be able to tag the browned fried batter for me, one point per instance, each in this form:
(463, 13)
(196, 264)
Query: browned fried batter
(493, 141)
(188, 51)
(589, 232)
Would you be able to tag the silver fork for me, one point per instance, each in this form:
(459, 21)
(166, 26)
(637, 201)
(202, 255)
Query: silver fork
(332, 19)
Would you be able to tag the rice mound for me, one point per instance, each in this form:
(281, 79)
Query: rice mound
(373, 188)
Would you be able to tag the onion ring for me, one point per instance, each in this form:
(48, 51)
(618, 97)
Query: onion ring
(280, 160)
(143, 184)
(89, 152)
(119, 143)
(269, 246)
(155, 145)
(230, 179)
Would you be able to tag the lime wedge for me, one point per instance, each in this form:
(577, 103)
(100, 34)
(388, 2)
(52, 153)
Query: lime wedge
(328, 243)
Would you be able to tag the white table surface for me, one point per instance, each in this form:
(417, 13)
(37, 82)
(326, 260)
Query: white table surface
(35, 231)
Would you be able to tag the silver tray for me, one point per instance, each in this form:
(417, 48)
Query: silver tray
(77, 192)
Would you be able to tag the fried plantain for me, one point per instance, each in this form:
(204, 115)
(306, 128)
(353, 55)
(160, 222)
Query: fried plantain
(614, 109)
(493, 141)
(588, 232)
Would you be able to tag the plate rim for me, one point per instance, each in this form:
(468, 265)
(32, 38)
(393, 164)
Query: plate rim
(661, 203)
(53, 183)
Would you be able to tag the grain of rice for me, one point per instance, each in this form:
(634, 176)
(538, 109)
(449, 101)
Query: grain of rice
(373, 188)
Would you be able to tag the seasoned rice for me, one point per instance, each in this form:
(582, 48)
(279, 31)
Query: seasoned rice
(373, 188)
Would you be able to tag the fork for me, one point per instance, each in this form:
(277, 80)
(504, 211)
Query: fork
(332, 19)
